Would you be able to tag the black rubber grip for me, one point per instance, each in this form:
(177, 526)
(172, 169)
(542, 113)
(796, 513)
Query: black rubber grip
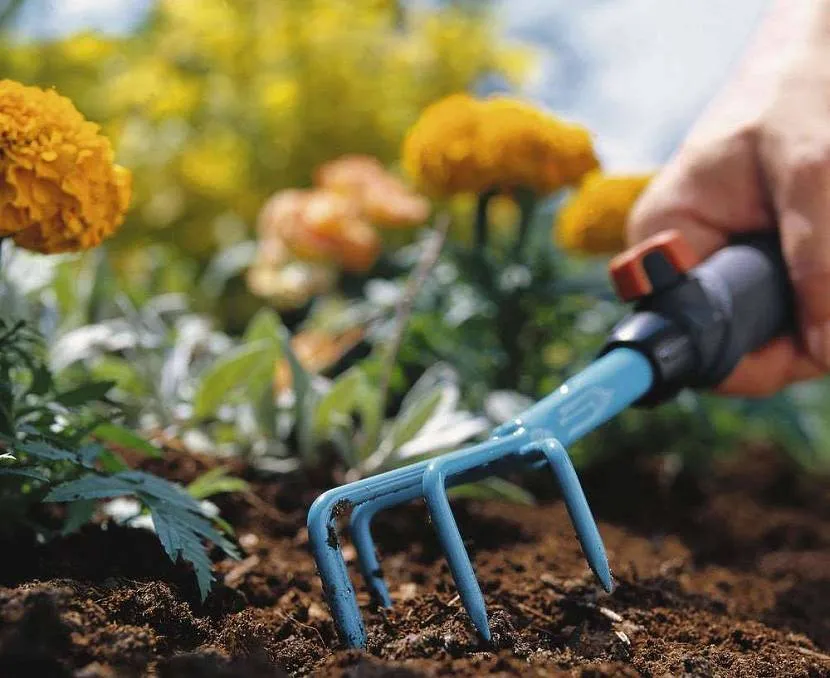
(695, 327)
(748, 282)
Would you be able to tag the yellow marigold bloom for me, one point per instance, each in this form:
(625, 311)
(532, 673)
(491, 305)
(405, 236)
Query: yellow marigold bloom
(523, 147)
(440, 151)
(323, 226)
(593, 219)
(461, 145)
(381, 197)
(59, 188)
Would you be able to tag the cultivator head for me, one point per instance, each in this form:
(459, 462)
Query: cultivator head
(691, 326)
(534, 439)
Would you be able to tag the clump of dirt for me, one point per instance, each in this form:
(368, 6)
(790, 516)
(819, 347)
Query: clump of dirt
(725, 574)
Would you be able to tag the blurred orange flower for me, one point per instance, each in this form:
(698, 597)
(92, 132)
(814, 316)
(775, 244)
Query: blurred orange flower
(316, 351)
(380, 196)
(321, 226)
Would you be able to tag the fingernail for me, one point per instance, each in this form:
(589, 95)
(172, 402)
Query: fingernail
(818, 342)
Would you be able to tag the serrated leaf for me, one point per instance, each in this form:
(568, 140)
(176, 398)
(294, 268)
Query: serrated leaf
(93, 391)
(181, 533)
(235, 369)
(24, 473)
(156, 487)
(43, 450)
(91, 486)
(216, 481)
(124, 437)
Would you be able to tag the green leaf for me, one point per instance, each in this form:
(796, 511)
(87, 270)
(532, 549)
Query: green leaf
(126, 438)
(120, 371)
(412, 420)
(341, 400)
(78, 514)
(494, 489)
(110, 462)
(181, 533)
(91, 486)
(153, 486)
(24, 472)
(240, 367)
(43, 450)
(215, 481)
(304, 402)
(266, 324)
(93, 391)
(88, 454)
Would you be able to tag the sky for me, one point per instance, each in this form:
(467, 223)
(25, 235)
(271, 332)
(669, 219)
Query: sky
(636, 72)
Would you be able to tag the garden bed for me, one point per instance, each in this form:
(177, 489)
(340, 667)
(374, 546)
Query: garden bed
(724, 576)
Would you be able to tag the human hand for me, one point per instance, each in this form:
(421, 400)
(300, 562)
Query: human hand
(759, 159)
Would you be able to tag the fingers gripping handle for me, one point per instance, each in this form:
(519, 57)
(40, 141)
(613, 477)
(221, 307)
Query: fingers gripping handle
(695, 321)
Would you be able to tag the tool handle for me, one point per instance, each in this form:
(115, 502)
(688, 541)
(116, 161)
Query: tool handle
(693, 320)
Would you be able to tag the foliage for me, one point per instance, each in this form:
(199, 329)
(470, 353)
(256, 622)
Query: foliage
(58, 449)
(292, 115)
(215, 105)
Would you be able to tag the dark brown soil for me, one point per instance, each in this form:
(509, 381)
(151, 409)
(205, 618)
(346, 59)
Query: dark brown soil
(723, 576)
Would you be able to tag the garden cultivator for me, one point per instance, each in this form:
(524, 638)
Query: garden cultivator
(692, 323)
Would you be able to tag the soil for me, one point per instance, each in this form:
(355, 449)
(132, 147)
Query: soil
(721, 574)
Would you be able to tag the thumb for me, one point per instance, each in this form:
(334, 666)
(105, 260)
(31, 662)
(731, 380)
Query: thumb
(708, 192)
(806, 243)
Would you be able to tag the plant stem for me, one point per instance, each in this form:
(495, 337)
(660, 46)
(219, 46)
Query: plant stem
(481, 224)
(527, 201)
(429, 257)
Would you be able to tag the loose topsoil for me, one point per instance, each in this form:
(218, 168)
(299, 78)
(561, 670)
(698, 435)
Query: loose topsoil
(726, 574)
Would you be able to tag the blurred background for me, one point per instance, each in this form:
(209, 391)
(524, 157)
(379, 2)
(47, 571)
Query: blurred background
(218, 107)
(635, 71)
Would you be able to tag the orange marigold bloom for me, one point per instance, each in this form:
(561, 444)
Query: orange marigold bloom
(59, 188)
(320, 225)
(382, 198)
(593, 219)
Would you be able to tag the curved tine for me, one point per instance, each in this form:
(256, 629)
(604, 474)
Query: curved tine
(396, 486)
(438, 474)
(337, 587)
(360, 526)
(583, 520)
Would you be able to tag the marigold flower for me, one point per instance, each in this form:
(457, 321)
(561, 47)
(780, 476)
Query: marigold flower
(59, 188)
(440, 151)
(320, 225)
(593, 219)
(381, 197)
(316, 351)
(462, 145)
